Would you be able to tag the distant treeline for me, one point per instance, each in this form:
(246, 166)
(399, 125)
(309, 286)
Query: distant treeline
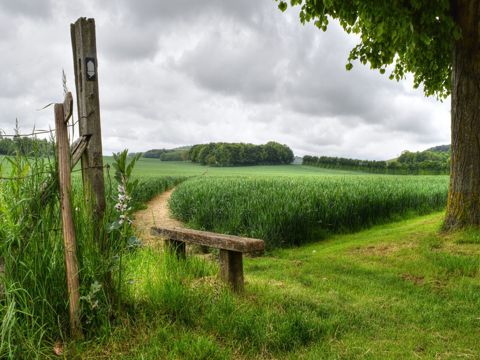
(422, 162)
(179, 154)
(25, 146)
(241, 154)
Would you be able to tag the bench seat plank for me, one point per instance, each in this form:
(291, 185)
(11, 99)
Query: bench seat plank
(219, 241)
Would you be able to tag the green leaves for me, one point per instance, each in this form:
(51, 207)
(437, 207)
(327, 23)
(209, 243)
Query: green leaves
(349, 66)
(415, 36)
(122, 166)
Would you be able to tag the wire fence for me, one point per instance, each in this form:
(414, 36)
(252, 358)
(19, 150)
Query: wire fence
(33, 133)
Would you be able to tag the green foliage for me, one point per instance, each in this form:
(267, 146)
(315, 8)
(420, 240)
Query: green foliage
(177, 154)
(292, 211)
(174, 155)
(34, 308)
(154, 153)
(123, 165)
(240, 154)
(414, 36)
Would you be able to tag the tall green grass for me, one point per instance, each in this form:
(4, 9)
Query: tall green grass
(291, 211)
(174, 297)
(34, 306)
(33, 297)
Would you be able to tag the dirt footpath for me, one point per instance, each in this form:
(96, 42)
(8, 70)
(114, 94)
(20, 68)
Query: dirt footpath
(157, 213)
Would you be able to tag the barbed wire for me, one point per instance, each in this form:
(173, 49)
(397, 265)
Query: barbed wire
(107, 166)
(33, 133)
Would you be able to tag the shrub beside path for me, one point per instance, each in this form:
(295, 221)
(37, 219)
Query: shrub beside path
(157, 213)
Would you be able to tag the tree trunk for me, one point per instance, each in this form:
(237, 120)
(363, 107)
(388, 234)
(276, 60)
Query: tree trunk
(463, 207)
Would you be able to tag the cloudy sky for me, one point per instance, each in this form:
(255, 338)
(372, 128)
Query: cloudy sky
(182, 72)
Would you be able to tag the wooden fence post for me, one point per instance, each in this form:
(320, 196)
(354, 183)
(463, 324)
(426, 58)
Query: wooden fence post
(231, 269)
(86, 83)
(70, 246)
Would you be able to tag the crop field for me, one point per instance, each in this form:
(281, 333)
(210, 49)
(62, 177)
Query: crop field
(291, 210)
(398, 290)
(155, 168)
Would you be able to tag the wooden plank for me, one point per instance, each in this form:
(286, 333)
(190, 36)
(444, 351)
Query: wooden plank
(78, 148)
(219, 241)
(231, 269)
(70, 246)
(68, 106)
(88, 103)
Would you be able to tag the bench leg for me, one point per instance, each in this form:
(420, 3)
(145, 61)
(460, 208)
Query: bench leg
(231, 269)
(176, 247)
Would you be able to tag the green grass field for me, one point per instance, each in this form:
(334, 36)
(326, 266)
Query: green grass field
(396, 291)
(289, 211)
(401, 290)
(151, 168)
(155, 168)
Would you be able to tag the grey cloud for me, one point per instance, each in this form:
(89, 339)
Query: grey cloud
(183, 72)
(155, 10)
(27, 8)
(128, 43)
(245, 68)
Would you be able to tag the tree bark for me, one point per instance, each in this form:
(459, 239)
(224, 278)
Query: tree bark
(463, 208)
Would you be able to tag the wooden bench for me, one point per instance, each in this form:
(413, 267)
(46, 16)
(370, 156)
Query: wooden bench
(231, 249)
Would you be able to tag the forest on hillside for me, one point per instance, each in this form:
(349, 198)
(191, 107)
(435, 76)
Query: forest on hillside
(177, 154)
(431, 161)
(241, 154)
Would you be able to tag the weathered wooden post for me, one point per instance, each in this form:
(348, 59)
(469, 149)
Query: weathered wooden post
(176, 247)
(62, 114)
(231, 269)
(86, 83)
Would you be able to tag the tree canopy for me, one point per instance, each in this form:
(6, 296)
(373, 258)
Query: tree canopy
(177, 154)
(413, 36)
(241, 154)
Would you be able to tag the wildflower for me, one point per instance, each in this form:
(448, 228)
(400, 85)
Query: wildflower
(122, 205)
